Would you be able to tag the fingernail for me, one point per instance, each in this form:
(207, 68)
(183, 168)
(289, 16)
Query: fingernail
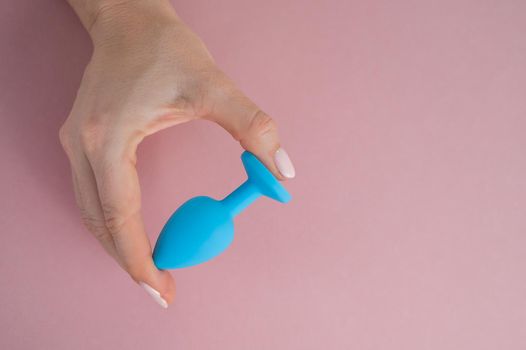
(155, 295)
(284, 164)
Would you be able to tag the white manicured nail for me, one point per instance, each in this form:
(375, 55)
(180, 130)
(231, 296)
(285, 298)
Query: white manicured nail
(155, 295)
(284, 164)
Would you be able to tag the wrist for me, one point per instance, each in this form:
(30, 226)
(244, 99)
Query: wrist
(109, 18)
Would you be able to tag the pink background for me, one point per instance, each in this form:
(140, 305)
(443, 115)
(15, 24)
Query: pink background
(407, 124)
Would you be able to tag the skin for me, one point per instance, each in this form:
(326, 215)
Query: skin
(148, 72)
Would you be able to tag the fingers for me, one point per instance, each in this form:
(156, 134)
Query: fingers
(86, 195)
(88, 202)
(119, 194)
(108, 195)
(254, 129)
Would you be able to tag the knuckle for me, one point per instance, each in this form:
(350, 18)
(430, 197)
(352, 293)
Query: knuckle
(261, 124)
(92, 138)
(93, 224)
(64, 136)
(113, 219)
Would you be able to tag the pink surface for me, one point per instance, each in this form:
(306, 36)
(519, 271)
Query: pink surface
(407, 124)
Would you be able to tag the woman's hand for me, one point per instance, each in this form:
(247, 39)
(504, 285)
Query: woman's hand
(148, 72)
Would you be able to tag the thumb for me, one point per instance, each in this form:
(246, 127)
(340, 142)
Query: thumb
(255, 130)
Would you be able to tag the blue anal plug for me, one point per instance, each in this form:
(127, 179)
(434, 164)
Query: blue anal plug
(202, 228)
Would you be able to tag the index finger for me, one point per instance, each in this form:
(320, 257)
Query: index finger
(120, 198)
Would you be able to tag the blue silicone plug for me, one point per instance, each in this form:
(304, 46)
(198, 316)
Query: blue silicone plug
(202, 228)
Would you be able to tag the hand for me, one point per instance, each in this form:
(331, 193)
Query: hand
(148, 72)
